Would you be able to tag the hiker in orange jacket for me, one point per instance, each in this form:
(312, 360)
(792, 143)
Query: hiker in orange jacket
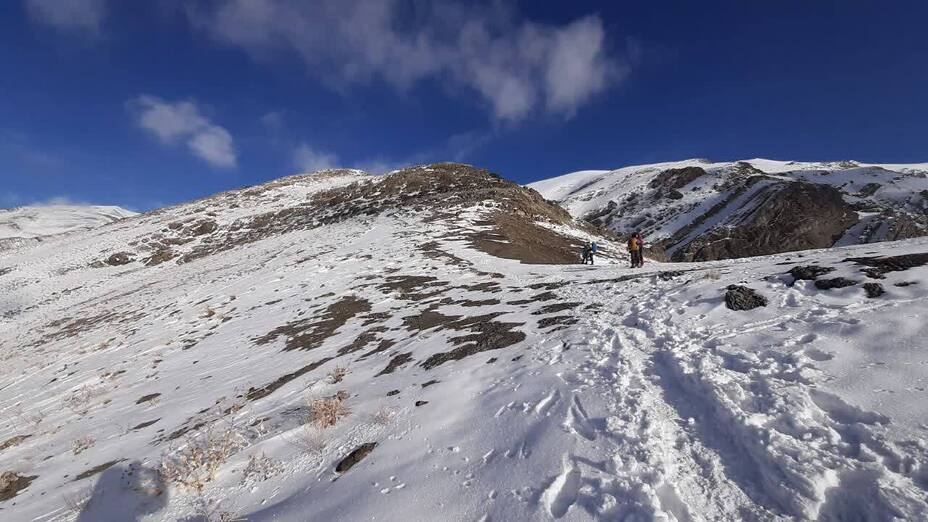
(635, 247)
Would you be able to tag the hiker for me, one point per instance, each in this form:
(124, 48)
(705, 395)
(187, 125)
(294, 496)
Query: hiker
(593, 247)
(640, 243)
(585, 254)
(634, 249)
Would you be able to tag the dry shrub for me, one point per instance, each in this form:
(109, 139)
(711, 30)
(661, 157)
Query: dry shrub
(383, 416)
(326, 411)
(260, 468)
(337, 374)
(81, 444)
(195, 464)
(309, 439)
(79, 400)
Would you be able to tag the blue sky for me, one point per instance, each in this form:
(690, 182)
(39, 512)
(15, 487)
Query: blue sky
(144, 104)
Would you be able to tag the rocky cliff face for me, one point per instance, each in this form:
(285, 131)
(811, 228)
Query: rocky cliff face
(699, 210)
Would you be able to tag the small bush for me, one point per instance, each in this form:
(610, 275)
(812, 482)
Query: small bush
(260, 468)
(196, 464)
(328, 410)
(336, 375)
(81, 444)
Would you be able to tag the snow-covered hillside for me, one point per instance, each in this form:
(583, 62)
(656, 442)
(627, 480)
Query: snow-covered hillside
(188, 362)
(698, 210)
(23, 225)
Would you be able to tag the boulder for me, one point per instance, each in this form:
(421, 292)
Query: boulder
(119, 258)
(743, 298)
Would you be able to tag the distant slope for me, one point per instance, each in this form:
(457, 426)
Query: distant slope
(702, 210)
(18, 225)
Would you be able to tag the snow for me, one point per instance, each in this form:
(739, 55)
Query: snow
(658, 403)
(26, 225)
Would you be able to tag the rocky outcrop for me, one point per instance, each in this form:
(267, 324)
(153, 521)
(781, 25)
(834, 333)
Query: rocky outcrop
(673, 179)
(786, 216)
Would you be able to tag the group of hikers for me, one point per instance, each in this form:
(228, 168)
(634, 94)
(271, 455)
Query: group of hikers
(635, 250)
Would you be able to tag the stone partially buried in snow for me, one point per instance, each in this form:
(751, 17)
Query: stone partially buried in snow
(119, 258)
(355, 456)
(809, 272)
(743, 298)
(874, 289)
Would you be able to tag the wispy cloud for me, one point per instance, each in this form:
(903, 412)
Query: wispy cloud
(456, 148)
(76, 16)
(182, 121)
(516, 67)
(308, 159)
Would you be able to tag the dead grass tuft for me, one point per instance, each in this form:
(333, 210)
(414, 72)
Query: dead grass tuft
(337, 374)
(78, 446)
(327, 411)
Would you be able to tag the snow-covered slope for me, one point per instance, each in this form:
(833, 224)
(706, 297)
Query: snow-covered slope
(474, 384)
(697, 209)
(22, 224)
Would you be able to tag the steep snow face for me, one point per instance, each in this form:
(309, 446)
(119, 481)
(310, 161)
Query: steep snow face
(684, 207)
(459, 385)
(18, 225)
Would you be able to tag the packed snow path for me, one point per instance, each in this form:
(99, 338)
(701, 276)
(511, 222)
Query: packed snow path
(479, 388)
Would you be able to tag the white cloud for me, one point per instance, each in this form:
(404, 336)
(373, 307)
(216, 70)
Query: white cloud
(308, 159)
(273, 121)
(182, 121)
(516, 67)
(80, 16)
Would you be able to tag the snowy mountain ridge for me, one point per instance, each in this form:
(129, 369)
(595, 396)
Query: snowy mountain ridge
(23, 225)
(424, 345)
(698, 209)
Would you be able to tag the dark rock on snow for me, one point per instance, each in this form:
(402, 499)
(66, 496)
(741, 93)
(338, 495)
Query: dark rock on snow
(873, 289)
(355, 456)
(119, 258)
(835, 282)
(743, 298)
(809, 272)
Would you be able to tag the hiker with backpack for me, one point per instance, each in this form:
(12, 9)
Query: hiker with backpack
(635, 250)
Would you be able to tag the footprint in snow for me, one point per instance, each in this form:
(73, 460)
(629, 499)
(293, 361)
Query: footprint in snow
(578, 422)
(562, 493)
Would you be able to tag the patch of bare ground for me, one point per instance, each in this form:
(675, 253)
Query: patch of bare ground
(147, 398)
(11, 483)
(544, 296)
(13, 441)
(556, 307)
(395, 363)
(384, 345)
(145, 424)
(413, 288)
(520, 238)
(307, 334)
(97, 469)
(362, 340)
(431, 250)
(565, 320)
(489, 335)
(254, 394)
(877, 266)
